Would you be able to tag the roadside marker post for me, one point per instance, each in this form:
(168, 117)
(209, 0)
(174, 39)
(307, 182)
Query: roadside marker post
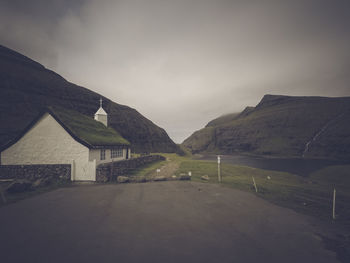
(219, 174)
(256, 188)
(333, 214)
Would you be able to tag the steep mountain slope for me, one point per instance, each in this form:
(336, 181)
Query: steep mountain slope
(222, 119)
(26, 87)
(282, 125)
(228, 117)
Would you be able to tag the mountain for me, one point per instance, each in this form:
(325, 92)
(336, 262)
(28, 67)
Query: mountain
(228, 117)
(222, 119)
(26, 87)
(314, 127)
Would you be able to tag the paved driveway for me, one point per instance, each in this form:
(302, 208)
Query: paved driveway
(155, 222)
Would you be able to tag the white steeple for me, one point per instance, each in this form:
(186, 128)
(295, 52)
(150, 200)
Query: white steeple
(101, 115)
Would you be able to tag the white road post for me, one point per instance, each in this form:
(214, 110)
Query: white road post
(219, 174)
(333, 214)
(256, 188)
(72, 170)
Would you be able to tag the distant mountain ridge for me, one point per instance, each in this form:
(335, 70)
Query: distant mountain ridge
(26, 87)
(315, 127)
(222, 119)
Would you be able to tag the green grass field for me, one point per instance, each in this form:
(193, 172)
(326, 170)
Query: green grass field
(147, 169)
(311, 196)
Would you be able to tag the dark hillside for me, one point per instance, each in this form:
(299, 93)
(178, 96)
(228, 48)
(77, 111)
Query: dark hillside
(283, 126)
(26, 87)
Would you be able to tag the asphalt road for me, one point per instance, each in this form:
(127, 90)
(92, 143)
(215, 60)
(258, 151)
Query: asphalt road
(155, 222)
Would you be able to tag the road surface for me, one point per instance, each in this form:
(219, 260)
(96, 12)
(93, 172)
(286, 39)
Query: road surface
(156, 222)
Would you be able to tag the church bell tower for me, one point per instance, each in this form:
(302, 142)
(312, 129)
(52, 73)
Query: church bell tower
(101, 115)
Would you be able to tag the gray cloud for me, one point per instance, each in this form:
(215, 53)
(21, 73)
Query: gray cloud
(182, 63)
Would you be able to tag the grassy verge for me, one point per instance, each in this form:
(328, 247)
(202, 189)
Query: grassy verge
(312, 196)
(147, 169)
(151, 168)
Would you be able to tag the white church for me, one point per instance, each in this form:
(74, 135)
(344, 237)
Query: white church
(61, 136)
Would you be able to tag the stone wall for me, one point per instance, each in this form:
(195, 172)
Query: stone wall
(36, 171)
(110, 171)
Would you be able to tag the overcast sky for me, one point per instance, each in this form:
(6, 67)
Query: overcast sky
(183, 63)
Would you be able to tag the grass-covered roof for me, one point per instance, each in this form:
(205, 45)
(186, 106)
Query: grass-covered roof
(86, 130)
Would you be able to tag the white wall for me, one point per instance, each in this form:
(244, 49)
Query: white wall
(95, 154)
(47, 143)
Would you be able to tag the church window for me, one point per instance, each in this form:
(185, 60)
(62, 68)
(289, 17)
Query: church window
(115, 153)
(103, 154)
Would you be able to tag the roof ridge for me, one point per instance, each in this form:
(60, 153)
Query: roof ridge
(101, 111)
(69, 130)
(84, 130)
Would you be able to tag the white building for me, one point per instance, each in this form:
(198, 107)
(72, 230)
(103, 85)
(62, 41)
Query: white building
(60, 136)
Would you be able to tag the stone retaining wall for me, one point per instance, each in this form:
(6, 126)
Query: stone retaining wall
(110, 171)
(36, 171)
